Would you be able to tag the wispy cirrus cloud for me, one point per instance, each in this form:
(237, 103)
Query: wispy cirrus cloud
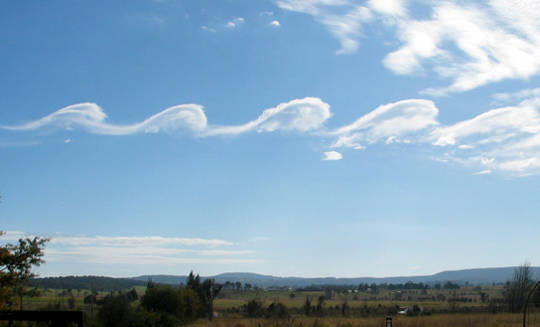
(495, 40)
(509, 97)
(469, 44)
(346, 27)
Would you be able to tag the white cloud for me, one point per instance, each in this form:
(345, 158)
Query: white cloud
(393, 122)
(346, 27)
(470, 44)
(136, 241)
(13, 235)
(483, 172)
(91, 117)
(505, 139)
(235, 22)
(491, 46)
(114, 250)
(332, 155)
(17, 144)
(300, 115)
(141, 241)
(208, 29)
(275, 23)
(501, 139)
(116, 256)
(388, 7)
(493, 126)
(517, 96)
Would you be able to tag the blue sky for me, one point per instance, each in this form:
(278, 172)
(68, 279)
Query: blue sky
(287, 137)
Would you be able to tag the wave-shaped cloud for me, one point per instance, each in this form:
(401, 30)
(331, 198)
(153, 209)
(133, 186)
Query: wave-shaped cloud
(297, 115)
(92, 118)
(506, 139)
(501, 139)
(393, 122)
(300, 115)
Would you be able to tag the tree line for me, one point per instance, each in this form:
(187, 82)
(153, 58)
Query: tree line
(92, 283)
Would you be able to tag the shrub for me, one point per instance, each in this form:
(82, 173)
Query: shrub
(115, 311)
(277, 310)
(172, 303)
(254, 308)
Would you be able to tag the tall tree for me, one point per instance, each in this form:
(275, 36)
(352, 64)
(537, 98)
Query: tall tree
(210, 290)
(16, 263)
(207, 291)
(516, 290)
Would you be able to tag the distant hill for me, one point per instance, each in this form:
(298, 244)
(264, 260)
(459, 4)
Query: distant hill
(473, 276)
(477, 276)
(94, 283)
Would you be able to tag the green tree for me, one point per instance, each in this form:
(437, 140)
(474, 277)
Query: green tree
(308, 308)
(277, 310)
(210, 290)
(207, 291)
(16, 263)
(172, 303)
(115, 311)
(254, 308)
(344, 308)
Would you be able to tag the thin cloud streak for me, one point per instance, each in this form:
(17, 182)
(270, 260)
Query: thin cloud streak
(137, 241)
(140, 250)
(81, 240)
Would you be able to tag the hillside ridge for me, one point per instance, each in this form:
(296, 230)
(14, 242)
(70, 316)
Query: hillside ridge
(476, 276)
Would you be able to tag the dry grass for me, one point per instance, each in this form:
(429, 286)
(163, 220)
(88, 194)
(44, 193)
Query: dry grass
(446, 320)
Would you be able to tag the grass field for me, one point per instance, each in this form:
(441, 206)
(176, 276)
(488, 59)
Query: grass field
(446, 320)
(366, 309)
(235, 299)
